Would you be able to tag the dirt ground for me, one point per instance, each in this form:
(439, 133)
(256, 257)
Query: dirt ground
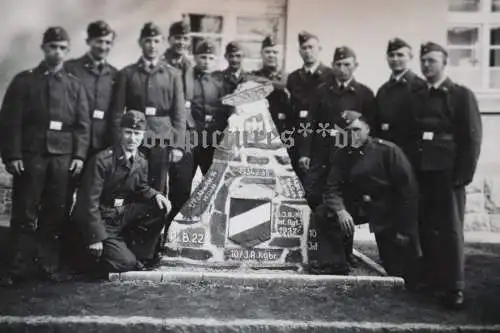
(224, 301)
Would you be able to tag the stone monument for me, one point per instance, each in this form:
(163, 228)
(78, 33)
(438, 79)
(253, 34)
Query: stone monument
(249, 210)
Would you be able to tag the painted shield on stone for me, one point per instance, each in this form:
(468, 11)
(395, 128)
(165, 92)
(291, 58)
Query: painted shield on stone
(249, 209)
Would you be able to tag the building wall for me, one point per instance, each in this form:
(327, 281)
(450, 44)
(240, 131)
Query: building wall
(366, 26)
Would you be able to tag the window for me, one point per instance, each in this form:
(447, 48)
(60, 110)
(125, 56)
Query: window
(247, 22)
(473, 39)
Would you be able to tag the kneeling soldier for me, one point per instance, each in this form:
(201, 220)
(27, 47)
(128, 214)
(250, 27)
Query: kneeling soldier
(371, 180)
(115, 200)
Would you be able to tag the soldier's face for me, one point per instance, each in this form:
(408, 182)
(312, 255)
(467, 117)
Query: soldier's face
(55, 52)
(131, 139)
(309, 51)
(180, 43)
(205, 62)
(432, 64)
(399, 59)
(345, 68)
(235, 59)
(359, 132)
(151, 46)
(270, 56)
(101, 46)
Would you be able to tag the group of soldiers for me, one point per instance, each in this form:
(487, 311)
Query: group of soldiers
(79, 125)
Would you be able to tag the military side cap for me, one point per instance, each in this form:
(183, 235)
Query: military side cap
(343, 52)
(304, 36)
(134, 119)
(99, 29)
(206, 46)
(179, 28)
(269, 41)
(430, 47)
(396, 44)
(55, 34)
(233, 47)
(150, 30)
(349, 116)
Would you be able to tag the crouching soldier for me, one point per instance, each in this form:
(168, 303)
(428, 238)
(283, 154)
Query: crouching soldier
(371, 181)
(118, 214)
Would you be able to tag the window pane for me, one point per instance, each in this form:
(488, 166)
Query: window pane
(197, 39)
(495, 58)
(495, 36)
(495, 5)
(252, 48)
(463, 58)
(471, 78)
(464, 5)
(463, 36)
(259, 26)
(206, 23)
(495, 79)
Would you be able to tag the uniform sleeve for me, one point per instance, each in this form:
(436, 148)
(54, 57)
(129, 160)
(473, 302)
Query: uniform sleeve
(375, 129)
(117, 107)
(86, 213)
(143, 190)
(406, 192)
(369, 107)
(178, 112)
(11, 119)
(332, 196)
(314, 181)
(308, 122)
(469, 136)
(81, 133)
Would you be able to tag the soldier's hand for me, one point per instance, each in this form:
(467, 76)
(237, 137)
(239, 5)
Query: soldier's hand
(163, 203)
(176, 155)
(402, 240)
(346, 222)
(15, 167)
(304, 163)
(96, 249)
(76, 167)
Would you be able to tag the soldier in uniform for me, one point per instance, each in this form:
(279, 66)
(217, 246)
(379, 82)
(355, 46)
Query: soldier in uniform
(393, 119)
(234, 74)
(176, 56)
(45, 117)
(97, 76)
(279, 101)
(155, 88)
(371, 180)
(210, 115)
(302, 85)
(114, 210)
(446, 145)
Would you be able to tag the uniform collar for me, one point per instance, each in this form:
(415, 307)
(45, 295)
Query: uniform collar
(93, 61)
(123, 158)
(437, 85)
(346, 83)
(174, 59)
(270, 72)
(311, 69)
(44, 69)
(400, 77)
(147, 63)
(364, 149)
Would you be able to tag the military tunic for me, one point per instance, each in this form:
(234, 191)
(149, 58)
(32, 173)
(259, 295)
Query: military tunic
(230, 80)
(376, 185)
(303, 86)
(115, 206)
(98, 83)
(158, 92)
(393, 119)
(445, 148)
(45, 123)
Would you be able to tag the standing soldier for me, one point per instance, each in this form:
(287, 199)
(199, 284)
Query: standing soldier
(279, 101)
(446, 145)
(176, 56)
(113, 209)
(46, 120)
(302, 85)
(97, 76)
(393, 118)
(234, 74)
(155, 88)
(371, 180)
(207, 109)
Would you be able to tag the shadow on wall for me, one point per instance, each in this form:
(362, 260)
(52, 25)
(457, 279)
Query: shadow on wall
(23, 24)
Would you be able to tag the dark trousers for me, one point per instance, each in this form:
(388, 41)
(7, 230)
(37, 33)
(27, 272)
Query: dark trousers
(397, 259)
(158, 165)
(203, 157)
(442, 208)
(331, 250)
(39, 209)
